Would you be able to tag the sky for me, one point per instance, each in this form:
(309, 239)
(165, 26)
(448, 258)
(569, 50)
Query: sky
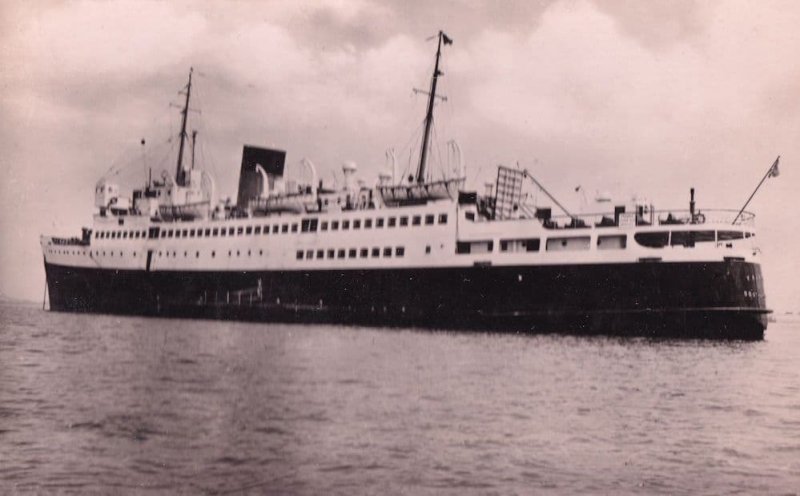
(619, 96)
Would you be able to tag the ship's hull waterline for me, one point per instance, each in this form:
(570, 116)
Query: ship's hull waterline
(717, 300)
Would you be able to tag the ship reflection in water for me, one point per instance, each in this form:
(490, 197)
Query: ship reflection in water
(97, 403)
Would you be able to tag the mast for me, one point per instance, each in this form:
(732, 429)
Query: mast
(423, 156)
(194, 141)
(179, 173)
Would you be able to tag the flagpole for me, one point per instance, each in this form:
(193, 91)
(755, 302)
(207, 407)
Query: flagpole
(768, 174)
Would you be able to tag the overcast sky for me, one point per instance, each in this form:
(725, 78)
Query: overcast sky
(629, 97)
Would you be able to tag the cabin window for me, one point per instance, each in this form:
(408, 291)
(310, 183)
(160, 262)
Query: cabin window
(248, 230)
(429, 220)
(285, 228)
(177, 233)
(265, 229)
(387, 252)
(404, 221)
(223, 232)
(345, 225)
(568, 243)
(323, 226)
(442, 218)
(170, 233)
(400, 251)
(185, 233)
(364, 252)
(367, 223)
(191, 233)
(689, 238)
(352, 253)
(239, 230)
(658, 239)
(340, 253)
(376, 252)
(257, 230)
(729, 235)
(310, 254)
(230, 231)
(519, 245)
(416, 220)
(299, 254)
(466, 247)
(276, 229)
(199, 233)
(215, 232)
(294, 228)
(357, 224)
(379, 222)
(196, 254)
(320, 253)
(335, 225)
(213, 253)
(330, 253)
(392, 221)
(612, 242)
(208, 232)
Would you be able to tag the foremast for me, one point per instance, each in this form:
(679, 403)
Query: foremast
(423, 156)
(180, 174)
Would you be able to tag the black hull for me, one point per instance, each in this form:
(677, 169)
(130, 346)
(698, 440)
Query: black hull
(721, 300)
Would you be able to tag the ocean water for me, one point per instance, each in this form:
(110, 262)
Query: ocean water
(97, 404)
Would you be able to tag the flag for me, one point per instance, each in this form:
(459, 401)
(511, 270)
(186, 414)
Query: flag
(446, 39)
(773, 171)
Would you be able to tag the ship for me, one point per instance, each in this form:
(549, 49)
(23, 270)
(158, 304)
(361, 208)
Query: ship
(408, 251)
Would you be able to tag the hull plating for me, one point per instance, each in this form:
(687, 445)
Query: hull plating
(694, 300)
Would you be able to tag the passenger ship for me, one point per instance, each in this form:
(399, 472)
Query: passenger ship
(412, 252)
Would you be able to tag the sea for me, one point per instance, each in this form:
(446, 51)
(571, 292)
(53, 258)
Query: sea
(102, 404)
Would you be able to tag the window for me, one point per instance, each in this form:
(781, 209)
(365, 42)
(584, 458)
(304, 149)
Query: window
(125, 235)
(197, 254)
(299, 254)
(568, 244)
(257, 230)
(387, 252)
(191, 233)
(213, 253)
(428, 249)
(335, 225)
(429, 220)
(215, 231)
(294, 228)
(351, 253)
(185, 233)
(276, 229)
(199, 233)
(230, 231)
(265, 229)
(368, 224)
(208, 232)
(364, 252)
(248, 230)
(340, 254)
(376, 252)
(612, 242)
(177, 233)
(320, 253)
(324, 226)
(345, 225)
(689, 238)
(379, 223)
(308, 225)
(652, 239)
(729, 235)
(392, 221)
(442, 218)
(309, 254)
(467, 247)
(170, 233)
(223, 232)
(404, 221)
(239, 230)
(399, 251)
(331, 253)
(416, 220)
(357, 224)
